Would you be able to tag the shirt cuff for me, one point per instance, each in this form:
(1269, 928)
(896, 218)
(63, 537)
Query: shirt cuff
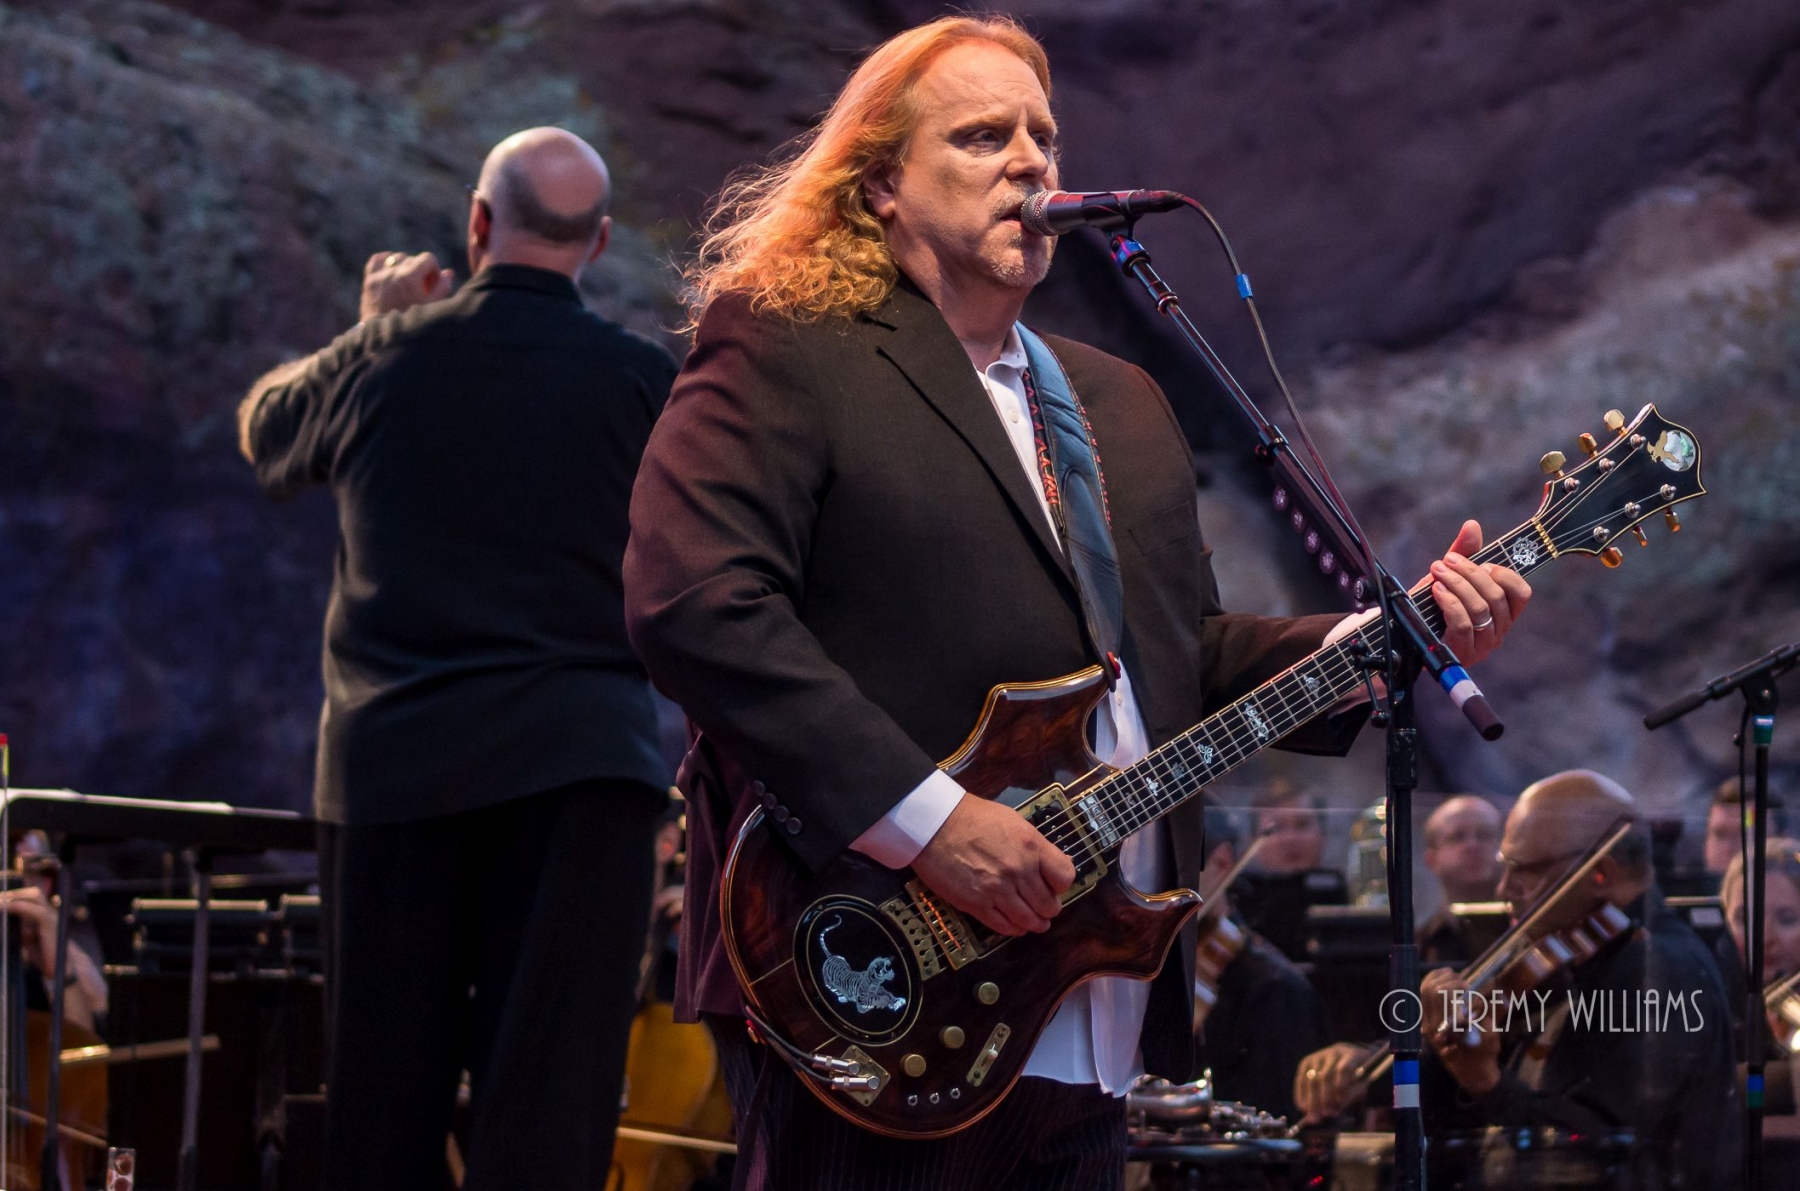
(1350, 624)
(1339, 631)
(899, 836)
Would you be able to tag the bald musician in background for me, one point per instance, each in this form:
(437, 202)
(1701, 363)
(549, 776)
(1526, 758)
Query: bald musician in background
(488, 763)
(1670, 1082)
(1461, 836)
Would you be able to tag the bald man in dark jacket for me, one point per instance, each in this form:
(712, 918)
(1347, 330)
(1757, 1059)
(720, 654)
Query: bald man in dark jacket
(488, 768)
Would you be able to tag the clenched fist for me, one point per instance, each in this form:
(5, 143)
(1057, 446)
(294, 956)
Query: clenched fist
(986, 860)
(395, 281)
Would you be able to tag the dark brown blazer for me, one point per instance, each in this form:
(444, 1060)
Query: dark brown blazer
(835, 554)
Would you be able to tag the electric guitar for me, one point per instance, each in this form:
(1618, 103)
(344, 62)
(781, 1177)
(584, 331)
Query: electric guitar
(914, 1020)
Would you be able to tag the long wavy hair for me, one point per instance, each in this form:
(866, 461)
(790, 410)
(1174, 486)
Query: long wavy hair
(798, 236)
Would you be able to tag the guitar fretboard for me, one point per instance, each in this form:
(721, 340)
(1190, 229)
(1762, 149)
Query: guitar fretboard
(1177, 771)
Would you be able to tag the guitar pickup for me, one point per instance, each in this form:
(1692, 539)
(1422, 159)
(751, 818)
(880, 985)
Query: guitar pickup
(1093, 833)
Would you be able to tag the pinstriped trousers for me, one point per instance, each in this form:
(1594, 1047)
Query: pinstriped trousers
(1045, 1136)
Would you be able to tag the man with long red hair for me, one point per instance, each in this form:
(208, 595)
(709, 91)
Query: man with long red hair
(847, 530)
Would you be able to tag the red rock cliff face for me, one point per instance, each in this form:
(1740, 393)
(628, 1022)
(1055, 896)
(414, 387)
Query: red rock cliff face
(1466, 224)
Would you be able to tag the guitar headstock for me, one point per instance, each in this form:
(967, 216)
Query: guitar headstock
(1649, 466)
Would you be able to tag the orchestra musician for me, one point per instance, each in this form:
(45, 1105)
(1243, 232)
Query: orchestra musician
(1256, 1016)
(1781, 959)
(30, 904)
(842, 539)
(1668, 1079)
(488, 774)
(1461, 836)
(1725, 824)
(1292, 824)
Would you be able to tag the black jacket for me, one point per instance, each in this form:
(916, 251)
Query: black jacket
(482, 451)
(835, 555)
(1267, 1018)
(1662, 1070)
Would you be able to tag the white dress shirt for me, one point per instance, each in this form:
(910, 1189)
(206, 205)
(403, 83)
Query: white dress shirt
(1094, 1036)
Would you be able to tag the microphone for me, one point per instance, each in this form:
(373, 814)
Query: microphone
(1054, 212)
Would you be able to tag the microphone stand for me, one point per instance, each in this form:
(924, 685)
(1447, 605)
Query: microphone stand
(1761, 701)
(1410, 645)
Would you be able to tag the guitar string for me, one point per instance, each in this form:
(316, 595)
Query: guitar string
(1291, 696)
(1238, 740)
(1133, 810)
(1137, 811)
(1233, 746)
(1131, 813)
(1292, 701)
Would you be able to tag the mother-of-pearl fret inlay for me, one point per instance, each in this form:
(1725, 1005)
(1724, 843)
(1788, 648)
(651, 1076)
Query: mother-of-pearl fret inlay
(1099, 821)
(1210, 749)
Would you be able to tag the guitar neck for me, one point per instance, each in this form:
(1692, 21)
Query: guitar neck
(1177, 771)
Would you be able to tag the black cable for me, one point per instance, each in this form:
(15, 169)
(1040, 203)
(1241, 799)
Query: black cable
(1359, 540)
(1743, 743)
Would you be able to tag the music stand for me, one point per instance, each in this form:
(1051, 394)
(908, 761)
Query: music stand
(203, 828)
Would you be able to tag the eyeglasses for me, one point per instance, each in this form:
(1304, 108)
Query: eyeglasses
(1513, 868)
(1463, 835)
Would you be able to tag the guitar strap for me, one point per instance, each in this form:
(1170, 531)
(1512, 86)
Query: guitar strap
(1075, 490)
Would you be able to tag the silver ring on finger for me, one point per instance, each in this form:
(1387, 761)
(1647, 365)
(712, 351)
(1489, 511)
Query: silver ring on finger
(1486, 624)
(393, 258)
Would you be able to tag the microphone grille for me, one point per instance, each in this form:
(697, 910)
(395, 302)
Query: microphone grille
(1031, 214)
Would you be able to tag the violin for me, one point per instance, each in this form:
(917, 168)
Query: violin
(1221, 940)
(1781, 1000)
(1567, 926)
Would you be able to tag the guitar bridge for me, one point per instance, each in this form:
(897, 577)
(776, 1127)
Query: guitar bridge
(918, 936)
(950, 934)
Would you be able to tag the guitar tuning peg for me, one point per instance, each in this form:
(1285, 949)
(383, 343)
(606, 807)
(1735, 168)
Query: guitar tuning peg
(1610, 557)
(1674, 521)
(1552, 463)
(1637, 531)
(1615, 421)
(1588, 446)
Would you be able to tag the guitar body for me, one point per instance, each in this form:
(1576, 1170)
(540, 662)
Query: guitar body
(861, 964)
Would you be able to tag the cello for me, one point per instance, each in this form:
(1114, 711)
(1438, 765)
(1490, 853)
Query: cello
(81, 1115)
(674, 1091)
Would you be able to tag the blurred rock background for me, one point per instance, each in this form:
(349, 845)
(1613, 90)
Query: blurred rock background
(1472, 229)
